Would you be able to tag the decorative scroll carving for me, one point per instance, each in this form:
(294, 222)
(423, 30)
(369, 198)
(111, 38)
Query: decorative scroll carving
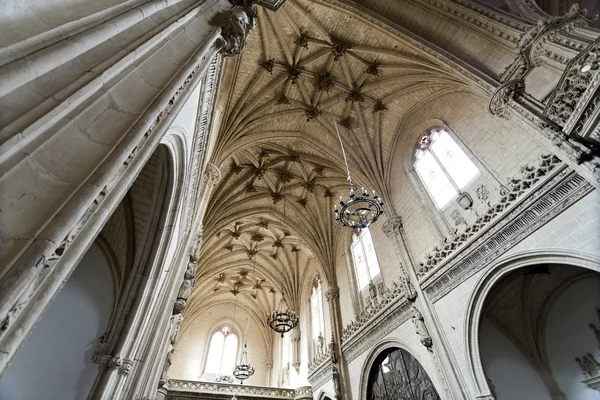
(236, 25)
(500, 101)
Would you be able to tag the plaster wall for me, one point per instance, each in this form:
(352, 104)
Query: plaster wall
(191, 348)
(568, 336)
(508, 370)
(55, 361)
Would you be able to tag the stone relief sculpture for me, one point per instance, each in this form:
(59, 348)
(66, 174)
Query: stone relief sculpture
(420, 328)
(236, 24)
(185, 290)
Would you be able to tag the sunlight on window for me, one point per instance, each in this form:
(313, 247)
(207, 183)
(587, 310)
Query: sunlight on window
(365, 258)
(222, 352)
(443, 167)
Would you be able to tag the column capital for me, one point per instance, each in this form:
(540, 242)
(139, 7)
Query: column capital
(332, 293)
(392, 226)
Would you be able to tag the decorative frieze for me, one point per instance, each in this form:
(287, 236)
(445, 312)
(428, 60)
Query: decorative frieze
(176, 385)
(516, 187)
(523, 212)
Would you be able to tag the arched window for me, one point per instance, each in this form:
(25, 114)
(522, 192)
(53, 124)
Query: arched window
(318, 321)
(222, 352)
(444, 168)
(365, 259)
(396, 374)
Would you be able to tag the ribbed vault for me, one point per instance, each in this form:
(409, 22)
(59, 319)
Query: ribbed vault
(304, 67)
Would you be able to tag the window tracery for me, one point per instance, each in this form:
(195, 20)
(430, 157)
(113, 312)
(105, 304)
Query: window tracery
(443, 167)
(366, 264)
(222, 352)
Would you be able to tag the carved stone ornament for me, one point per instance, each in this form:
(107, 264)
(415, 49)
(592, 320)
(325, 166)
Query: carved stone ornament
(500, 101)
(125, 367)
(420, 328)
(573, 105)
(336, 382)
(212, 174)
(272, 5)
(332, 294)
(110, 362)
(185, 290)
(530, 41)
(236, 25)
(393, 226)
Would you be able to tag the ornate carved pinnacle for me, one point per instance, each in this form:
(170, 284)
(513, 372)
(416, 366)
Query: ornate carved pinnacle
(392, 226)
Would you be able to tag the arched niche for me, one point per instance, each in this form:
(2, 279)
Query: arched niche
(55, 362)
(404, 374)
(507, 330)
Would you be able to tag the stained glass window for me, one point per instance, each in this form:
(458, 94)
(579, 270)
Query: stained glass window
(443, 167)
(222, 352)
(365, 258)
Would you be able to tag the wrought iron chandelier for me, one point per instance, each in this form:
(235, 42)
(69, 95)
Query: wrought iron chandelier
(283, 319)
(244, 369)
(360, 209)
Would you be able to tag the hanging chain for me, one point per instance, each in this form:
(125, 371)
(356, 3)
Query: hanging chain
(337, 131)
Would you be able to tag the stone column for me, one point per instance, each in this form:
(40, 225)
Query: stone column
(340, 376)
(35, 269)
(423, 315)
(295, 336)
(269, 371)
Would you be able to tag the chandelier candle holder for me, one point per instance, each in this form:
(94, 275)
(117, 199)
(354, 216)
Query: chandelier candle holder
(360, 209)
(243, 370)
(283, 319)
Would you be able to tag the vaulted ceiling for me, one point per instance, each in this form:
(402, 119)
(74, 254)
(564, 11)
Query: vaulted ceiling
(305, 69)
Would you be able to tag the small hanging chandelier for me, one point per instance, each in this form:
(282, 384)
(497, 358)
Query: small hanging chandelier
(243, 370)
(283, 319)
(359, 210)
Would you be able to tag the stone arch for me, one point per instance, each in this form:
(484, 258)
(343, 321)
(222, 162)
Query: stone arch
(376, 351)
(485, 284)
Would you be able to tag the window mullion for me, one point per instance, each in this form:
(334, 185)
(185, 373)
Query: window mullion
(437, 160)
(362, 247)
